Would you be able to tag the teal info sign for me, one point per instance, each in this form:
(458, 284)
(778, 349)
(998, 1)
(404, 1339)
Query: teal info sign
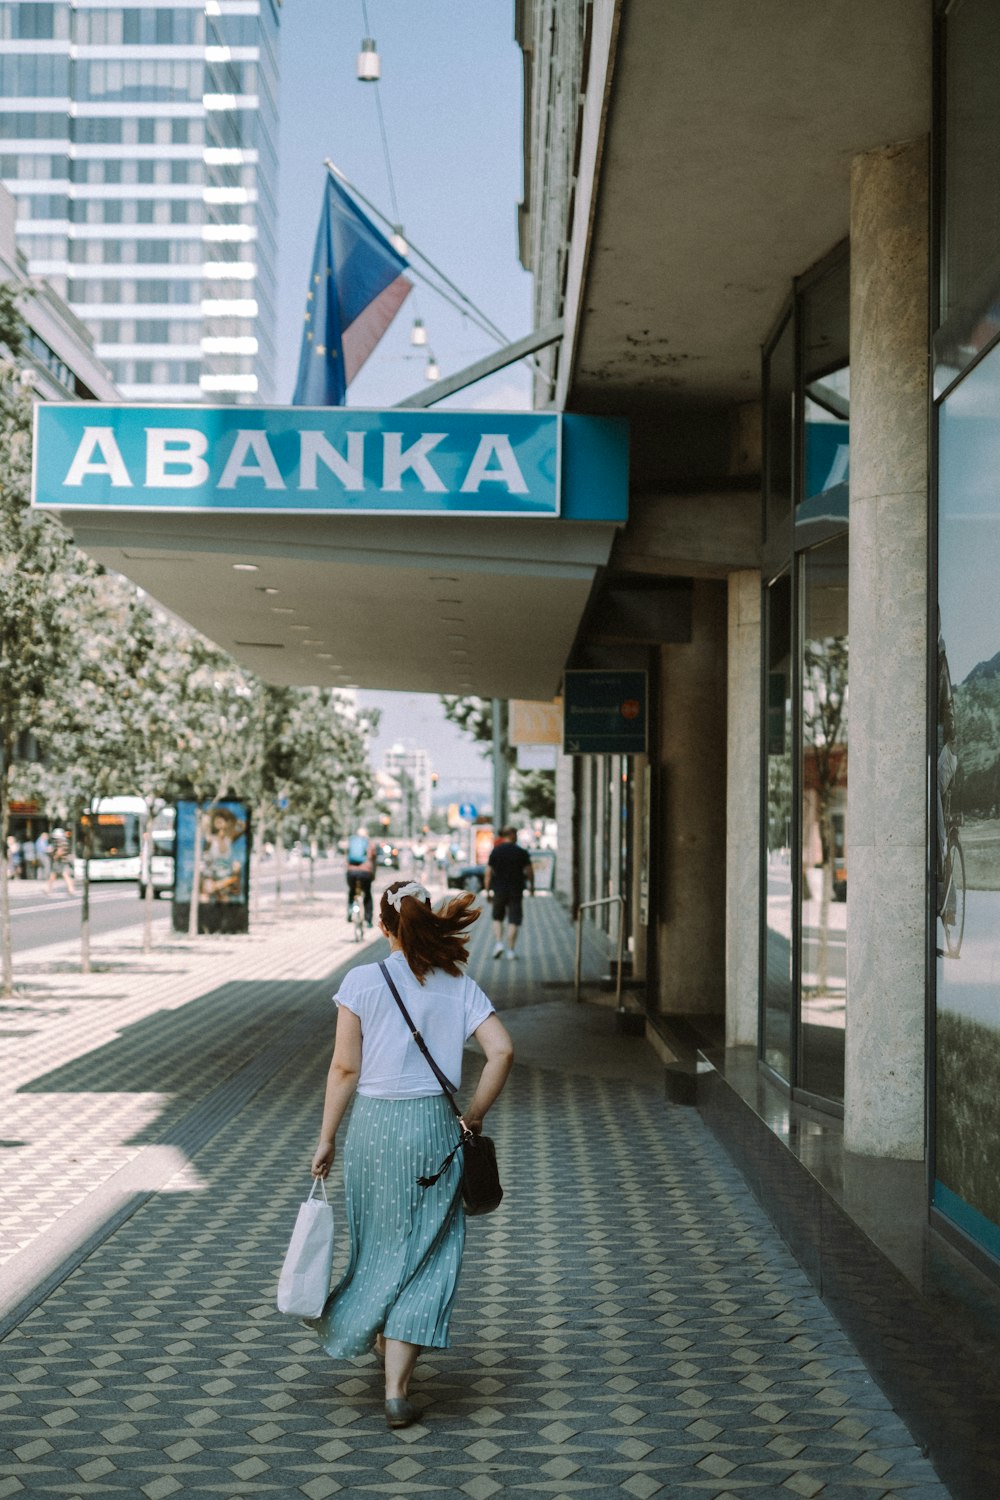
(295, 460)
(604, 713)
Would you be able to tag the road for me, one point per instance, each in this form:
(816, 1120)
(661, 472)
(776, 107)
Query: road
(38, 919)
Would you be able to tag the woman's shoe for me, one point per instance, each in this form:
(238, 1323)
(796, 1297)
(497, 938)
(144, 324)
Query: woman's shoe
(399, 1412)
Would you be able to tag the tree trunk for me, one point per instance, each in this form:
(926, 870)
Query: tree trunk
(88, 845)
(149, 895)
(195, 873)
(256, 861)
(6, 947)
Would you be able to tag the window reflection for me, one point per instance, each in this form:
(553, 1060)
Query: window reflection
(824, 663)
(777, 1025)
(966, 808)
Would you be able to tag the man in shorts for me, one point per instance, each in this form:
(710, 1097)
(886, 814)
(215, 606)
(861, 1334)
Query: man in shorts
(507, 873)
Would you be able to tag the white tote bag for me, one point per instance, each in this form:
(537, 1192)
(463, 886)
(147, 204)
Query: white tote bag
(304, 1283)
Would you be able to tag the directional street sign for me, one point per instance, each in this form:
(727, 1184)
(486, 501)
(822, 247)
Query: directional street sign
(604, 713)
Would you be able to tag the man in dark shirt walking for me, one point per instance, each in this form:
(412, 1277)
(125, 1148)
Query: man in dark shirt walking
(507, 873)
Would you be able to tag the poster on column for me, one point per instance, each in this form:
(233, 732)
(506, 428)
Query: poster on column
(223, 865)
(966, 812)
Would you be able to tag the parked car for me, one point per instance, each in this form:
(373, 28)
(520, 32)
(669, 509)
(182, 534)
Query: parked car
(466, 877)
(387, 855)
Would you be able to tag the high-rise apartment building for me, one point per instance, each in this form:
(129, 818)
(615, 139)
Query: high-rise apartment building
(412, 770)
(140, 143)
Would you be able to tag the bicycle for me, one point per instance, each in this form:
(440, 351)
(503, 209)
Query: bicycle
(357, 912)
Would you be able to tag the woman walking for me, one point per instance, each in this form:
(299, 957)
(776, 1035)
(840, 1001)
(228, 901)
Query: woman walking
(405, 1241)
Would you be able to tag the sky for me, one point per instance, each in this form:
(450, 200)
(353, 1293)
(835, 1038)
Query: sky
(451, 94)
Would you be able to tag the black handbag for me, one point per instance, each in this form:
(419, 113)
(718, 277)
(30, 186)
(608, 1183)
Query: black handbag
(481, 1190)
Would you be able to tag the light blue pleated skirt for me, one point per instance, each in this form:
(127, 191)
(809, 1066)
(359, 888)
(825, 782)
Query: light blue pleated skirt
(406, 1241)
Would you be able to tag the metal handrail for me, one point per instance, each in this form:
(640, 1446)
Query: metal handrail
(588, 906)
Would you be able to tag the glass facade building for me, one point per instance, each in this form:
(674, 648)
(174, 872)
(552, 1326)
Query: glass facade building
(141, 146)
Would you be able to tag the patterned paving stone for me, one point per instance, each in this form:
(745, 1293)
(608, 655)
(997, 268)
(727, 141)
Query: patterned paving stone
(628, 1323)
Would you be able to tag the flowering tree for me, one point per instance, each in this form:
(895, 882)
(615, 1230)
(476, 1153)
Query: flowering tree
(41, 580)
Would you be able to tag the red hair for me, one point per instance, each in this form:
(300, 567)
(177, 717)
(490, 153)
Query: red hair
(430, 939)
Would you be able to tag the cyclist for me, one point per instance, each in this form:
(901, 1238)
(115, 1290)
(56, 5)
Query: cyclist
(361, 855)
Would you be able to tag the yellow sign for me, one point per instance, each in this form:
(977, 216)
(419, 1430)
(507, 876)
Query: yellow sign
(532, 723)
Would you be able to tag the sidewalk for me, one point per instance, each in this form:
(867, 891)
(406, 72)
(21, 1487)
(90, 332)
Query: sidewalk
(628, 1322)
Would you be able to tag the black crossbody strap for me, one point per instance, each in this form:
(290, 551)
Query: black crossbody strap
(442, 1080)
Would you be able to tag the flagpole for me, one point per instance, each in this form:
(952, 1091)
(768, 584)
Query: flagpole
(484, 322)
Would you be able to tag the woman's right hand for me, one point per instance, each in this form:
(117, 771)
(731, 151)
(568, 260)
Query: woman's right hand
(469, 1122)
(323, 1159)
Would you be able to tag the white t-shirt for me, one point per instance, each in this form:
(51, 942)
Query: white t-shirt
(446, 1009)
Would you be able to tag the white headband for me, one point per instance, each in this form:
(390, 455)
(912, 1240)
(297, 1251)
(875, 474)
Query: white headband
(395, 898)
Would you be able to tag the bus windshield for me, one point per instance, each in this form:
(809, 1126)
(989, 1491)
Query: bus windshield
(113, 835)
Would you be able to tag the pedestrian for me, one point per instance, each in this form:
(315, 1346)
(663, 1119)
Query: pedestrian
(362, 854)
(29, 858)
(14, 861)
(508, 872)
(62, 861)
(406, 1241)
(43, 854)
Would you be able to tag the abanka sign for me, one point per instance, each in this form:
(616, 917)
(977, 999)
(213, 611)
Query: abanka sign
(327, 460)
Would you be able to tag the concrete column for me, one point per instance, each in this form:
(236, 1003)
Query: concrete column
(565, 804)
(691, 836)
(886, 815)
(743, 810)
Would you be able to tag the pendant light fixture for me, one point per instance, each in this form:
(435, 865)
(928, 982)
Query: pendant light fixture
(369, 62)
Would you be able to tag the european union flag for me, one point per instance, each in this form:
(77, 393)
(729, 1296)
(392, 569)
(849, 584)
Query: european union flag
(356, 288)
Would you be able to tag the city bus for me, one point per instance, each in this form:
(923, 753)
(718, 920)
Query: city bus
(116, 839)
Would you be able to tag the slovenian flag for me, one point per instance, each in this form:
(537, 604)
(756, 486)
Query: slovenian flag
(356, 288)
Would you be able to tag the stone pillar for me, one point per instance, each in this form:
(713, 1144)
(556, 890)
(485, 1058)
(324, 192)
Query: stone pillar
(689, 842)
(565, 811)
(743, 810)
(886, 799)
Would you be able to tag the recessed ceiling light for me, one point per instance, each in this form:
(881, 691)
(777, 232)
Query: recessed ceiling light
(301, 627)
(268, 591)
(312, 643)
(245, 568)
(282, 609)
(327, 656)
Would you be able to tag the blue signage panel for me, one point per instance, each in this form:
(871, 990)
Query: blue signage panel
(329, 460)
(604, 713)
(296, 460)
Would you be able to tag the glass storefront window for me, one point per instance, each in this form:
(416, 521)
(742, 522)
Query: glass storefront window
(776, 1029)
(824, 719)
(966, 808)
(807, 382)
